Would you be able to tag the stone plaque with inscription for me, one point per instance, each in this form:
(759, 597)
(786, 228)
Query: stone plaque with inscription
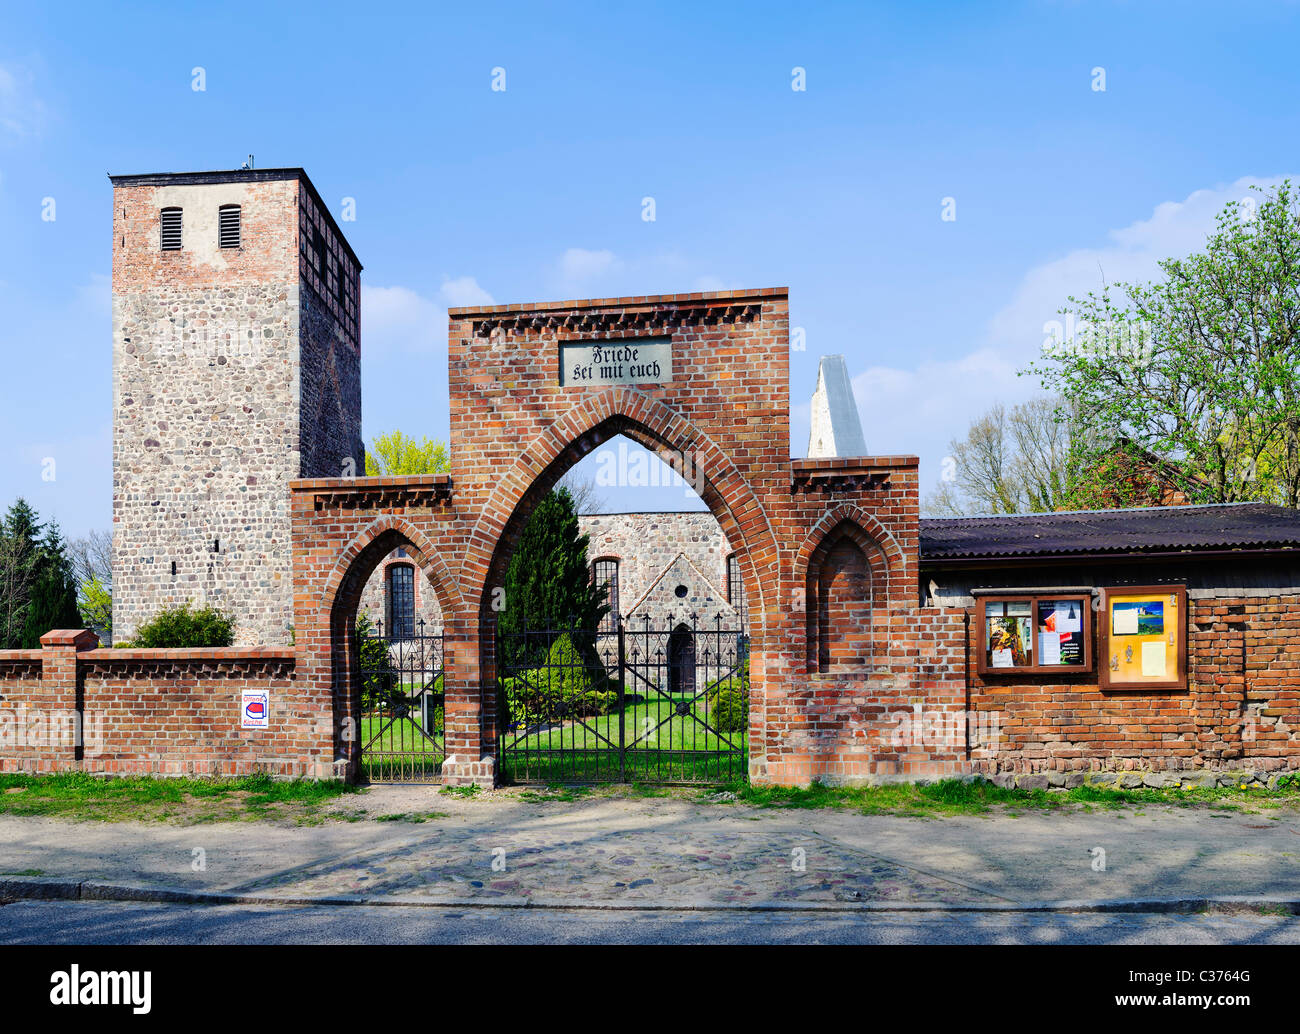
(639, 361)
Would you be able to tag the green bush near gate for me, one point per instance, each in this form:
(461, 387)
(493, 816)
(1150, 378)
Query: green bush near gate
(728, 701)
(378, 677)
(181, 627)
(568, 685)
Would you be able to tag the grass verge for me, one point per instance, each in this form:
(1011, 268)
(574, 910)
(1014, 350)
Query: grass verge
(77, 795)
(957, 797)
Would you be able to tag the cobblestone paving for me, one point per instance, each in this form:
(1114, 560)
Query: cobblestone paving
(642, 866)
(418, 843)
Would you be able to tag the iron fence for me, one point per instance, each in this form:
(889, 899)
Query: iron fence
(659, 700)
(402, 730)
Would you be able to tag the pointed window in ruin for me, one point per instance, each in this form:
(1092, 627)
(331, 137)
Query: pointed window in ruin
(605, 572)
(735, 585)
(400, 601)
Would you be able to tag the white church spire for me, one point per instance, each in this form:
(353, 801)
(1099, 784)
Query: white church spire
(836, 427)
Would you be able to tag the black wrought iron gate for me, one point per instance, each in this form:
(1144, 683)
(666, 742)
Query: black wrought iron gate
(654, 701)
(401, 727)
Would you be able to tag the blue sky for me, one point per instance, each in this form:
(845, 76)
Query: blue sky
(465, 194)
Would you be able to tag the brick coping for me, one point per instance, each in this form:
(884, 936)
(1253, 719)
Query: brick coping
(849, 464)
(641, 299)
(21, 655)
(212, 653)
(370, 482)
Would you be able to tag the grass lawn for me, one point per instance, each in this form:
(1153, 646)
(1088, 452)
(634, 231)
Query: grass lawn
(252, 798)
(661, 746)
(397, 750)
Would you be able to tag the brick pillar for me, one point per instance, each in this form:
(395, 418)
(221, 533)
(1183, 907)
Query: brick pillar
(470, 744)
(62, 694)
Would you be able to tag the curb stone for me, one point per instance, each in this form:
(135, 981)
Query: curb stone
(93, 890)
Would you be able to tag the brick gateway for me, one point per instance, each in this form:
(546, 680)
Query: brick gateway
(836, 531)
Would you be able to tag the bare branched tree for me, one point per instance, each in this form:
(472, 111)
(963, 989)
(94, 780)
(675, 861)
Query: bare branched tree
(92, 557)
(586, 499)
(1009, 462)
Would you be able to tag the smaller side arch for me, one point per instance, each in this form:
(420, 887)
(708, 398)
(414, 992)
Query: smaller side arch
(870, 528)
(426, 557)
(340, 599)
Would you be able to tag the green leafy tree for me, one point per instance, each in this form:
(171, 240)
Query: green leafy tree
(53, 600)
(96, 605)
(1200, 369)
(396, 453)
(379, 683)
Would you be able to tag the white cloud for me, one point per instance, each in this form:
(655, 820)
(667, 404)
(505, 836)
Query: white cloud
(579, 268)
(462, 291)
(398, 320)
(22, 113)
(921, 409)
(1175, 229)
(918, 411)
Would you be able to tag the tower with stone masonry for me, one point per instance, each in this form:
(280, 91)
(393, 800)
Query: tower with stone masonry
(236, 367)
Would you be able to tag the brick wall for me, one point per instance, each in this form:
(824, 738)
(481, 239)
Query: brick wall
(73, 707)
(1240, 709)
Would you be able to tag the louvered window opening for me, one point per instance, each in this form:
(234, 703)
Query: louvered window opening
(228, 233)
(170, 229)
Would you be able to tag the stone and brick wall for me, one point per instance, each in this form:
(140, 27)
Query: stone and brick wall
(856, 674)
(230, 377)
(374, 598)
(645, 544)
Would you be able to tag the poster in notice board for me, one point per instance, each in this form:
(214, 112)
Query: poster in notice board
(1144, 641)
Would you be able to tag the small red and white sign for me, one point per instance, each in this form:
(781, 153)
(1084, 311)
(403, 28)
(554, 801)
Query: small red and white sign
(255, 709)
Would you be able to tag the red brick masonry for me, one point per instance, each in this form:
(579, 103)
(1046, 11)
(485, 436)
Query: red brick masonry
(71, 706)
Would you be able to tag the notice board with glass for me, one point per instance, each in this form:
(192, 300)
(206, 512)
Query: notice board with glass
(1143, 639)
(1041, 633)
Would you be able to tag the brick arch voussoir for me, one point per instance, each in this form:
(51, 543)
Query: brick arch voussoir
(427, 558)
(640, 417)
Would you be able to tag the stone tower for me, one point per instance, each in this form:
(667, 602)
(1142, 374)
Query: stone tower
(236, 367)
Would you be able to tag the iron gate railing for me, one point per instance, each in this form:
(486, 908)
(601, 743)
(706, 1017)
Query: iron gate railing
(657, 701)
(402, 730)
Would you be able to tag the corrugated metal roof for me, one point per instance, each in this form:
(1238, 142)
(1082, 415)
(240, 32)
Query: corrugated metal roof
(1246, 526)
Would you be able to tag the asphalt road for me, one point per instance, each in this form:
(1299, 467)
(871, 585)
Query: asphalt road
(41, 922)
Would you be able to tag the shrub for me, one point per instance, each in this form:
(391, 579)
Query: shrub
(180, 627)
(728, 701)
(378, 676)
(571, 684)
